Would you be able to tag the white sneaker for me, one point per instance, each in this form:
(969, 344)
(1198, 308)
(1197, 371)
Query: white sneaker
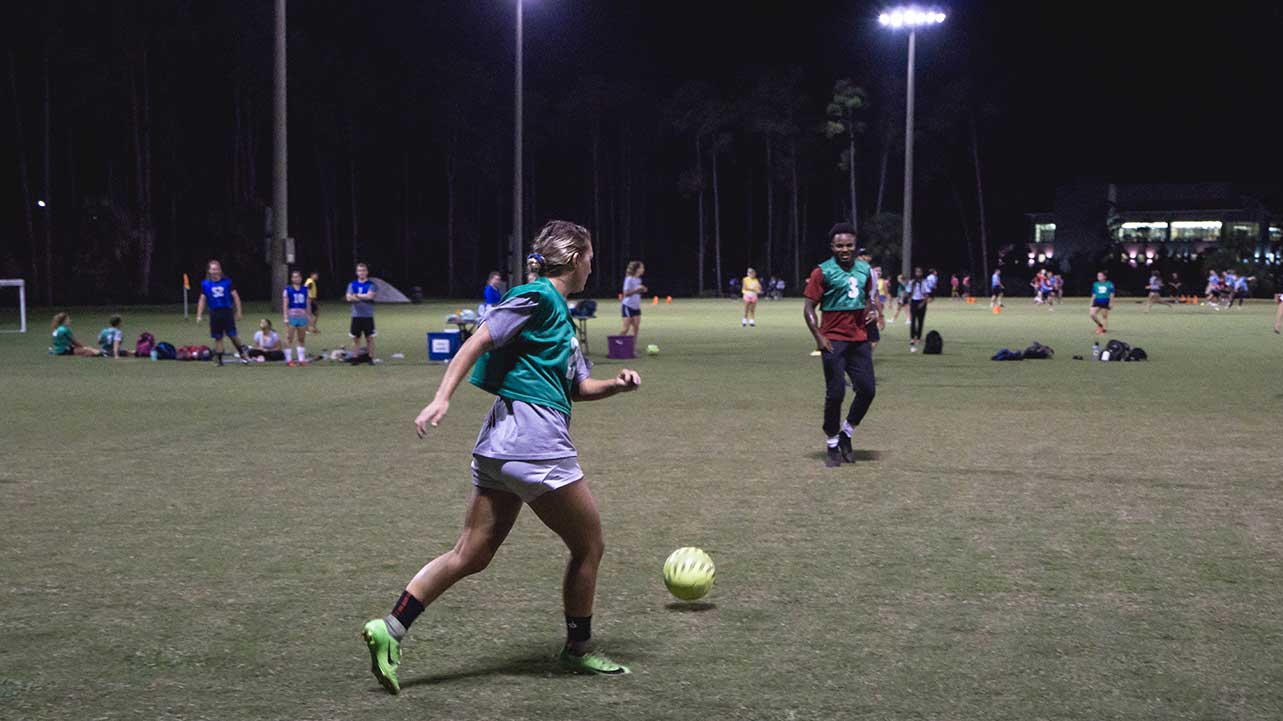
(743, 322)
(913, 348)
(753, 323)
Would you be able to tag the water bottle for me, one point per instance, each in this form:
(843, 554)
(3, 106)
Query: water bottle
(1095, 351)
(153, 354)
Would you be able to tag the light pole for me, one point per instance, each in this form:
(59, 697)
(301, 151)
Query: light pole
(517, 264)
(280, 174)
(911, 18)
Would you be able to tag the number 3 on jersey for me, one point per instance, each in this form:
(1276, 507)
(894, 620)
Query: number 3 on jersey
(854, 291)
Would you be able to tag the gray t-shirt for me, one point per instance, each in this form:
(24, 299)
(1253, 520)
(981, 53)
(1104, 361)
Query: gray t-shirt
(363, 308)
(516, 430)
(633, 301)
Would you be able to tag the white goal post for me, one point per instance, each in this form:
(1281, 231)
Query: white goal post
(21, 285)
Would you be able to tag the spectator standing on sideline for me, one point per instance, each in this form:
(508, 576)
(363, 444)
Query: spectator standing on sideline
(919, 297)
(361, 293)
(310, 284)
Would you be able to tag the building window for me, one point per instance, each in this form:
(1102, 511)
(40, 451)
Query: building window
(1196, 231)
(1276, 234)
(1245, 231)
(1143, 231)
(1045, 233)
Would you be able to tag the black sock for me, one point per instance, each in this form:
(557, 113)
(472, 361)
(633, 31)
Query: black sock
(578, 631)
(407, 609)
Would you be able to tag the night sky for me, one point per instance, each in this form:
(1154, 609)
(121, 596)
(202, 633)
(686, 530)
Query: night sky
(1060, 91)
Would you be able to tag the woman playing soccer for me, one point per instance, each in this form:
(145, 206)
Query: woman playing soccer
(751, 287)
(526, 353)
(297, 317)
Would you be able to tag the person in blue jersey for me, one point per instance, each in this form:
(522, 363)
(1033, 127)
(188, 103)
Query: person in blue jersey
(1102, 299)
(491, 295)
(361, 293)
(996, 289)
(526, 353)
(218, 293)
(1047, 288)
(1153, 289)
(296, 311)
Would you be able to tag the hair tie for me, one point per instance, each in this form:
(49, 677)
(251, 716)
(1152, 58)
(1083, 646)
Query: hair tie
(536, 257)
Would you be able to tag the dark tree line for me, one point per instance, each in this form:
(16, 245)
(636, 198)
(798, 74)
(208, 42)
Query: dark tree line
(145, 128)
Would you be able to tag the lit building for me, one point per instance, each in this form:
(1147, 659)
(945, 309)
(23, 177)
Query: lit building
(1142, 223)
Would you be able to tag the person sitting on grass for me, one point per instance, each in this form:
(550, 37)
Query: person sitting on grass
(64, 343)
(267, 343)
(109, 339)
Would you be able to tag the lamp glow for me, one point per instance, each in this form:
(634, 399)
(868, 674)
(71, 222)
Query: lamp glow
(910, 17)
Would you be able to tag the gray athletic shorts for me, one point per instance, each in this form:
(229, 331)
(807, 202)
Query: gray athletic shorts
(525, 479)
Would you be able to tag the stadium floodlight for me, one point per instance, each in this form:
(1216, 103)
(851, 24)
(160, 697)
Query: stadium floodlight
(912, 18)
(40, 203)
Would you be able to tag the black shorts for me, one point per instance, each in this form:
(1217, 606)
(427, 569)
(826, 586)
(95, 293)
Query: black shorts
(222, 321)
(1104, 304)
(626, 312)
(316, 309)
(362, 326)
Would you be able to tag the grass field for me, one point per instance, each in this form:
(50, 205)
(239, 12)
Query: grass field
(1037, 540)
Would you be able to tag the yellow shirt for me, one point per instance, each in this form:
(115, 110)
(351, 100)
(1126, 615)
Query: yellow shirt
(883, 286)
(751, 285)
(311, 288)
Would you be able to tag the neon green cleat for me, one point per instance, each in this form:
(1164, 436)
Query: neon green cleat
(385, 654)
(591, 662)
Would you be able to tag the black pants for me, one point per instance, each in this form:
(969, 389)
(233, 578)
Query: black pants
(853, 360)
(917, 316)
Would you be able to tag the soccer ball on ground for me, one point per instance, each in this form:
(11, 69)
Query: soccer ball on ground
(652, 349)
(688, 573)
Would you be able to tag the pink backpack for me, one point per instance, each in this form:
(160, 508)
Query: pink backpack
(146, 342)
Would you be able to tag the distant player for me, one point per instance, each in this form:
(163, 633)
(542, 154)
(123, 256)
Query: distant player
(630, 306)
(267, 343)
(313, 306)
(1154, 290)
(297, 316)
(1102, 298)
(526, 353)
(361, 293)
(64, 342)
(491, 295)
(1278, 314)
(842, 287)
(1047, 289)
(218, 293)
(1212, 294)
(110, 338)
(874, 322)
(955, 287)
(919, 299)
(750, 289)
(996, 289)
(901, 298)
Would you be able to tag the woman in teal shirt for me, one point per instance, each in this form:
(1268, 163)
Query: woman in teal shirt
(526, 353)
(1102, 298)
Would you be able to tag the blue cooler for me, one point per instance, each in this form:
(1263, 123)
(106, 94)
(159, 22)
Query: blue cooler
(443, 345)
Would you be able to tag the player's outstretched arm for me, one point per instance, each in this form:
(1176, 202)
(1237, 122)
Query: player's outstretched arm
(476, 346)
(594, 389)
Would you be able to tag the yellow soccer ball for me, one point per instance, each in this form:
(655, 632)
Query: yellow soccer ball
(688, 573)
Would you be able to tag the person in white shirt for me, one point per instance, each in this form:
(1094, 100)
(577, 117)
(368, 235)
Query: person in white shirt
(267, 343)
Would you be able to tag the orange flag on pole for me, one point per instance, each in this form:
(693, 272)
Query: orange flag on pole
(187, 284)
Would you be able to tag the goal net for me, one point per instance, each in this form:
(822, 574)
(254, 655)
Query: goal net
(13, 306)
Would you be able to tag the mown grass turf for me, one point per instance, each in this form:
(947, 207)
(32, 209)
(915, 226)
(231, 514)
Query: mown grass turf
(1038, 540)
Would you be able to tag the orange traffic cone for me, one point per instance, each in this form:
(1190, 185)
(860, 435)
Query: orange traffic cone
(669, 300)
(997, 309)
(654, 300)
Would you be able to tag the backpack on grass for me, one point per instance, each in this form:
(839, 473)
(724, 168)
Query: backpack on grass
(934, 344)
(146, 341)
(1136, 354)
(1117, 350)
(166, 351)
(1038, 350)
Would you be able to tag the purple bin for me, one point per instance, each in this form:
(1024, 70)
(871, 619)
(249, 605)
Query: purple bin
(621, 346)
